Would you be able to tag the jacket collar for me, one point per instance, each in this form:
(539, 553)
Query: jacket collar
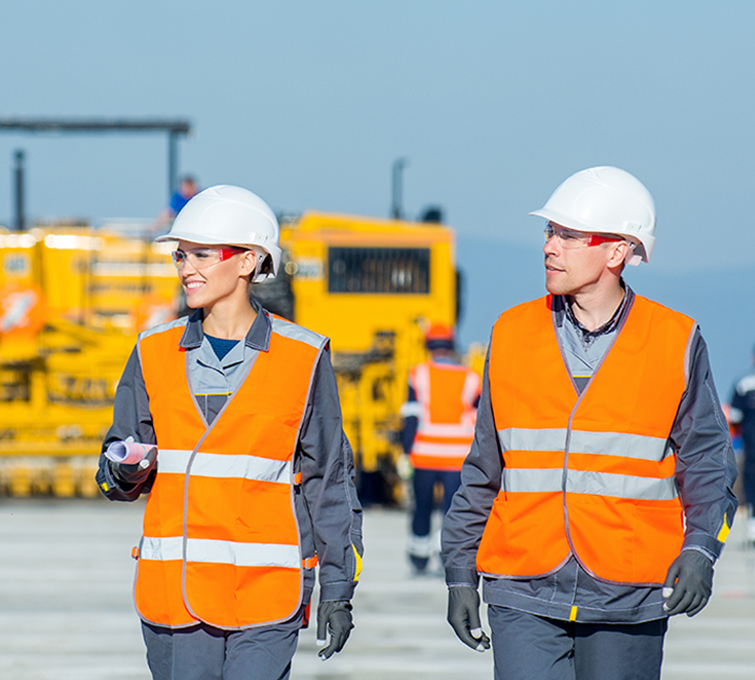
(562, 310)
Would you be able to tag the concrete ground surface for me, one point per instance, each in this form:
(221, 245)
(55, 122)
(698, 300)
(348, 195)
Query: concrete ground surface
(66, 611)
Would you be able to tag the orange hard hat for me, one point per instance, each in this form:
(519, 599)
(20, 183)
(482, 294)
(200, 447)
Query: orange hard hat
(439, 332)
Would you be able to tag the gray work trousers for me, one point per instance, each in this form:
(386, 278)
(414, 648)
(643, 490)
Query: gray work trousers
(526, 646)
(206, 653)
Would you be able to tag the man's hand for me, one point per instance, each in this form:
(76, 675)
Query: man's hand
(404, 468)
(688, 583)
(464, 617)
(131, 475)
(334, 618)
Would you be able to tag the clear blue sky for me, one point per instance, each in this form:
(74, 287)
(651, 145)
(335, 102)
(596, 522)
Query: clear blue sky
(494, 104)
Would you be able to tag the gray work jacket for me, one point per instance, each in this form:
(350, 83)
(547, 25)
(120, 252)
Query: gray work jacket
(328, 511)
(705, 474)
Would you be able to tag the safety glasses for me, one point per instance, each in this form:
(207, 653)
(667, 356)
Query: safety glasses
(569, 238)
(202, 258)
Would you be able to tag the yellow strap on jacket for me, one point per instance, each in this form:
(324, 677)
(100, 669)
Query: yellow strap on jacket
(589, 475)
(446, 394)
(221, 541)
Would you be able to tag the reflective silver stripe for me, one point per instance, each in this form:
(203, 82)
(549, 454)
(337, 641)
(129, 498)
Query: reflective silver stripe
(295, 332)
(217, 465)
(221, 552)
(532, 481)
(621, 486)
(471, 388)
(409, 409)
(246, 467)
(455, 430)
(596, 483)
(606, 443)
(162, 549)
(421, 377)
(521, 439)
(161, 328)
(687, 353)
(173, 461)
(243, 554)
(451, 450)
(618, 444)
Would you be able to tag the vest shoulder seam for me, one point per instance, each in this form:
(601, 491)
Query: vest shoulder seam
(289, 329)
(523, 305)
(654, 303)
(163, 327)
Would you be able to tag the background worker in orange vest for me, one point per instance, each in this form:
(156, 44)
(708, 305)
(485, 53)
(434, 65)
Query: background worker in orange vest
(439, 416)
(598, 491)
(742, 419)
(249, 474)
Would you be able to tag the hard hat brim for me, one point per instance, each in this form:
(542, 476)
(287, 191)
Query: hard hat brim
(562, 220)
(644, 244)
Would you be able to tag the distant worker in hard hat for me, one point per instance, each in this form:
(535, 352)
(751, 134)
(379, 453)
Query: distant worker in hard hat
(249, 474)
(742, 416)
(186, 190)
(597, 494)
(439, 417)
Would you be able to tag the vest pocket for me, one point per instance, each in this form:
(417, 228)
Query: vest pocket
(524, 535)
(657, 540)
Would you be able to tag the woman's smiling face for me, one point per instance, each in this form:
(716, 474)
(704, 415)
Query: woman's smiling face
(211, 273)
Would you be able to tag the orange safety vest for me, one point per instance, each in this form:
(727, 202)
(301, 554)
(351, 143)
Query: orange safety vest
(446, 394)
(221, 539)
(591, 474)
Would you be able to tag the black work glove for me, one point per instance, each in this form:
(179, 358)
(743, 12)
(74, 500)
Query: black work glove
(131, 475)
(334, 618)
(464, 617)
(691, 578)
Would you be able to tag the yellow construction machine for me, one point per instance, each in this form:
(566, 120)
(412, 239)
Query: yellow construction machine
(372, 286)
(73, 299)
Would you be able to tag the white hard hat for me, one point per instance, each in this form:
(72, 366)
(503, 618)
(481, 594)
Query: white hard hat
(605, 200)
(228, 215)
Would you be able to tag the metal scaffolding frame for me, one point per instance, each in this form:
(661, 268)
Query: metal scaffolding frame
(174, 129)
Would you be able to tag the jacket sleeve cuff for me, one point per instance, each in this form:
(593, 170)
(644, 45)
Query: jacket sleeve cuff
(459, 576)
(112, 487)
(704, 543)
(705, 552)
(340, 590)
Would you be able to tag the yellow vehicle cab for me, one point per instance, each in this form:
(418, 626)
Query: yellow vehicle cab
(371, 285)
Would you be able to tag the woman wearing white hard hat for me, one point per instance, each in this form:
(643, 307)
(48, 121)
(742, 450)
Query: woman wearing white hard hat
(249, 474)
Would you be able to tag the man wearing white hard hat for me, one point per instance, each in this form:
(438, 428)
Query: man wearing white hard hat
(233, 417)
(597, 494)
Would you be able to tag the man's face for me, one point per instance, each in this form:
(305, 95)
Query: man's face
(573, 267)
